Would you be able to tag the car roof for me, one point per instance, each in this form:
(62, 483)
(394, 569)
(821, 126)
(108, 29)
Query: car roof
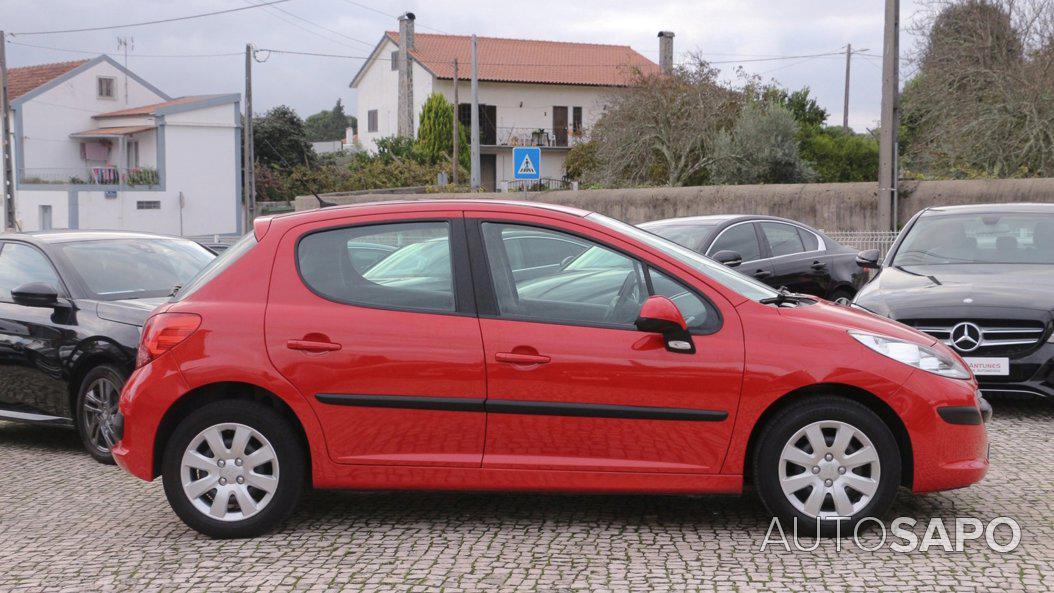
(721, 219)
(436, 204)
(68, 236)
(992, 208)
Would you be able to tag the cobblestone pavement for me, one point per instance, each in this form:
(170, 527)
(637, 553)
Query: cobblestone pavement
(69, 524)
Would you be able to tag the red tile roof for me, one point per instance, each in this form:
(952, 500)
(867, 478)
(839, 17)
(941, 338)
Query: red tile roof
(151, 108)
(22, 80)
(523, 60)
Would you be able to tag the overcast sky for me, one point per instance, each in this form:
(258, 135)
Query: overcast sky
(723, 31)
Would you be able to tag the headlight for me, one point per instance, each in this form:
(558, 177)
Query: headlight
(920, 357)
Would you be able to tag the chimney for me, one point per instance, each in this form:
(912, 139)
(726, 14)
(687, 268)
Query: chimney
(666, 51)
(406, 76)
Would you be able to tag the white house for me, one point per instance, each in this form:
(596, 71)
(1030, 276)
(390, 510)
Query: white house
(97, 147)
(531, 93)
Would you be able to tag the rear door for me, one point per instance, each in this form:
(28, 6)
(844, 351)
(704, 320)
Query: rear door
(390, 356)
(571, 383)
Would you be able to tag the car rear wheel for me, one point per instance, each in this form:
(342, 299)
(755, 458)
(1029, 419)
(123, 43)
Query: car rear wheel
(233, 469)
(96, 410)
(827, 460)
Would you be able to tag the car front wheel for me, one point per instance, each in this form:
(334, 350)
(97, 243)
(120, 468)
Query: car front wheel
(233, 469)
(96, 410)
(826, 461)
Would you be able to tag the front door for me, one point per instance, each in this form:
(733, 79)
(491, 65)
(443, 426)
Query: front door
(33, 340)
(387, 352)
(571, 383)
(742, 238)
(560, 126)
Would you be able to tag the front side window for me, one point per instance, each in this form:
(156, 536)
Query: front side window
(783, 238)
(993, 238)
(400, 266)
(113, 269)
(21, 264)
(740, 238)
(700, 315)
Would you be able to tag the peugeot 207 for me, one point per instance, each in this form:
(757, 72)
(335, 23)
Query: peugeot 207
(605, 360)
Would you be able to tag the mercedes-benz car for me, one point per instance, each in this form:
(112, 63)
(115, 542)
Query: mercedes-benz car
(71, 307)
(979, 278)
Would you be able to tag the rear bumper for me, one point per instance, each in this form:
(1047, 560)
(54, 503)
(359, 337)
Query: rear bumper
(947, 431)
(146, 397)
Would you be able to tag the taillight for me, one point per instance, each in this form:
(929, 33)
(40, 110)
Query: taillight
(163, 332)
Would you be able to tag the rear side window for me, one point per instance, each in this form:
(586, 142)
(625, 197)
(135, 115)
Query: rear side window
(21, 264)
(391, 266)
(811, 241)
(740, 238)
(783, 238)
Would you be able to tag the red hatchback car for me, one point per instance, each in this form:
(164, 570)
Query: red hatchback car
(486, 345)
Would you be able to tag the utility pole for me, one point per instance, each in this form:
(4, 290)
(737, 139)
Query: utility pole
(845, 103)
(475, 116)
(457, 129)
(9, 170)
(887, 155)
(248, 161)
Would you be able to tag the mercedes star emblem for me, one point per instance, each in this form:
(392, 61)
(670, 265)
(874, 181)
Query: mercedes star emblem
(966, 337)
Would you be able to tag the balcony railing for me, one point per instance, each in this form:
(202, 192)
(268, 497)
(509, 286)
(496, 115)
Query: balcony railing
(538, 137)
(134, 177)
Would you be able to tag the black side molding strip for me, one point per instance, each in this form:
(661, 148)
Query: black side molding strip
(450, 404)
(505, 406)
(968, 415)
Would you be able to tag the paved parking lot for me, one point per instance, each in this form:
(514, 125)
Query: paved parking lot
(68, 524)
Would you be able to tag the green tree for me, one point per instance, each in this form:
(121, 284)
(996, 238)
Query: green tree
(328, 124)
(279, 139)
(761, 147)
(841, 156)
(435, 132)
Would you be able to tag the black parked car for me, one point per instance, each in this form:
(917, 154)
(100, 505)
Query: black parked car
(981, 279)
(71, 307)
(777, 251)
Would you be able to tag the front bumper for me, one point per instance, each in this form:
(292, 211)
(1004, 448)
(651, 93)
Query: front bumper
(1031, 374)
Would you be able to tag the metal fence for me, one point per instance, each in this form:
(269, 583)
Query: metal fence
(543, 184)
(880, 240)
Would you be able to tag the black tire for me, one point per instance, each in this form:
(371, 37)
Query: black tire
(786, 424)
(842, 293)
(277, 432)
(94, 434)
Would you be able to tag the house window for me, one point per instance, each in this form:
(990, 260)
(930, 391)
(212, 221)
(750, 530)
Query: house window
(148, 205)
(395, 60)
(576, 120)
(132, 148)
(371, 120)
(107, 87)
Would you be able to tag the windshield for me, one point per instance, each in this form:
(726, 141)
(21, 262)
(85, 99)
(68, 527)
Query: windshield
(746, 286)
(115, 269)
(993, 238)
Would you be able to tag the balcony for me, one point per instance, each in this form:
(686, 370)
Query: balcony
(547, 137)
(106, 175)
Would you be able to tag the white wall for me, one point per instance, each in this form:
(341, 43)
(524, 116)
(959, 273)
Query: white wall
(552, 164)
(49, 118)
(379, 89)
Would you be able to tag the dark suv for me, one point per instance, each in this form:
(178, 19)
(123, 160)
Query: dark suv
(981, 279)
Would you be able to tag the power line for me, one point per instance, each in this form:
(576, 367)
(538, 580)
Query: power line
(95, 53)
(314, 24)
(157, 22)
(390, 15)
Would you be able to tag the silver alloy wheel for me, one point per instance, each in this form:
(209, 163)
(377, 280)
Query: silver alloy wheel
(99, 411)
(229, 472)
(829, 469)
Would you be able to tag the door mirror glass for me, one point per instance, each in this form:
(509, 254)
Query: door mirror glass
(35, 294)
(728, 257)
(868, 258)
(660, 315)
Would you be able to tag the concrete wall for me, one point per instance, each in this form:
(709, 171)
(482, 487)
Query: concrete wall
(828, 206)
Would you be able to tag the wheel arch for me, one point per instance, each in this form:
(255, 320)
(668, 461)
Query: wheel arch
(852, 393)
(103, 353)
(227, 390)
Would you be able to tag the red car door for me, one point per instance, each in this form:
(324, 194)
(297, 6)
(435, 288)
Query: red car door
(388, 352)
(571, 383)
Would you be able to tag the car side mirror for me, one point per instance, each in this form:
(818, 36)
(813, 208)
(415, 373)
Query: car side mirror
(36, 294)
(661, 316)
(728, 257)
(868, 258)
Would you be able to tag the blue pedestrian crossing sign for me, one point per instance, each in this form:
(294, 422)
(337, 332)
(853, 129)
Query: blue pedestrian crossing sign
(527, 162)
